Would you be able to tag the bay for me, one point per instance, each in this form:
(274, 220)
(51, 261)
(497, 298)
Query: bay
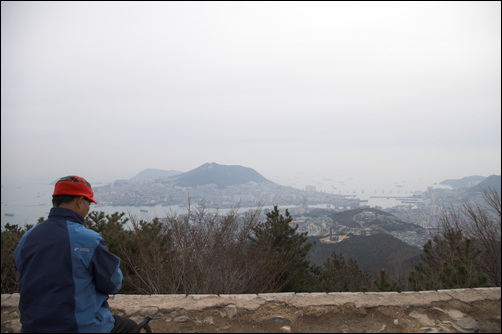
(25, 203)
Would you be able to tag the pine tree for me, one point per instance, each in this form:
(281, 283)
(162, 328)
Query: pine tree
(448, 262)
(384, 284)
(339, 275)
(276, 236)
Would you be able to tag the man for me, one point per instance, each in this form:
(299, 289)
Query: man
(66, 272)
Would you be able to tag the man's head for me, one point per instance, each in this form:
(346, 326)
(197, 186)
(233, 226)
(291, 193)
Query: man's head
(73, 192)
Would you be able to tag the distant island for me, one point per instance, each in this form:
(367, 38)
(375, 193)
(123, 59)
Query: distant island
(217, 185)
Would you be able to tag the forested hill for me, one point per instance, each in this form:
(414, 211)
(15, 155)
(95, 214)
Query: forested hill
(371, 253)
(491, 182)
(375, 219)
(465, 182)
(380, 249)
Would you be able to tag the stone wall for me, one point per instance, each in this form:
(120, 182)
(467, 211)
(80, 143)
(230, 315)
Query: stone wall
(172, 307)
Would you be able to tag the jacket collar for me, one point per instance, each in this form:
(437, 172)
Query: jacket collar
(67, 214)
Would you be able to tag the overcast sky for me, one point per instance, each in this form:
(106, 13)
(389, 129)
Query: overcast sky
(367, 90)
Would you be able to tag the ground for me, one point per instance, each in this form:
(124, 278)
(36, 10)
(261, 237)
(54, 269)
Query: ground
(275, 318)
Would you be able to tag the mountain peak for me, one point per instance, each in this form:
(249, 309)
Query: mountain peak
(221, 175)
(210, 165)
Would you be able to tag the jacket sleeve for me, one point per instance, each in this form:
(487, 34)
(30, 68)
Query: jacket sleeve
(106, 268)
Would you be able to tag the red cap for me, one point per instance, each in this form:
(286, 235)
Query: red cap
(74, 186)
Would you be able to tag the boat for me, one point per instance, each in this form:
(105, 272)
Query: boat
(9, 214)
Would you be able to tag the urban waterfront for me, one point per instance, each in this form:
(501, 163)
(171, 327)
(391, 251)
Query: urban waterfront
(24, 203)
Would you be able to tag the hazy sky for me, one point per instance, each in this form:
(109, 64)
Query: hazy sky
(365, 90)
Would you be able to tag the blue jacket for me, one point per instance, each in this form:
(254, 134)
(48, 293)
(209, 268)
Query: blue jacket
(66, 275)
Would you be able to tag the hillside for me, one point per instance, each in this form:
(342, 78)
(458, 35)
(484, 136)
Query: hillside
(374, 220)
(220, 175)
(465, 182)
(152, 174)
(492, 181)
(373, 238)
(371, 253)
(346, 218)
